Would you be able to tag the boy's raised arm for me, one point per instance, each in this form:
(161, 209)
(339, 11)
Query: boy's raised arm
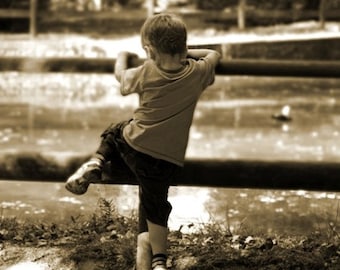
(123, 62)
(213, 56)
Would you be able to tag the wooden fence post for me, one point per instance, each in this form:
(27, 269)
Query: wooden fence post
(322, 9)
(150, 6)
(33, 17)
(241, 11)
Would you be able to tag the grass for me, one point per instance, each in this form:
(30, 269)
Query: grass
(108, 240)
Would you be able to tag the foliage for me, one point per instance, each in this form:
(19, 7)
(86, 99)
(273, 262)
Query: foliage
(216, 248)
(106, 237)
(90, 4)
(104, 222)
(81, 5)
(113, 243)
(263, 4)
(108, 241)
(215, 4)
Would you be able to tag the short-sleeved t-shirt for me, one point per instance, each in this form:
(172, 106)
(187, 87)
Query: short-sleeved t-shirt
(167, 99)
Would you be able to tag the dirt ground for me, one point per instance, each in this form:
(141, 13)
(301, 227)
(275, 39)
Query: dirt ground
(188, 252)
(20, 258)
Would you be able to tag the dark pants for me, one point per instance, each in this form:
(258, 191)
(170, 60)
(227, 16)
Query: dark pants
(153, 175)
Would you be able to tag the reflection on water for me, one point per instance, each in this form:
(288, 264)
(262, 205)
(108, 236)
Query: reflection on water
(275, 211)
(233, 118)
(253, 211)
(233, 121)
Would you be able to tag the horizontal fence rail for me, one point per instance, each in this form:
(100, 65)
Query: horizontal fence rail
(317, 176)
(251, 67)
(14, 13)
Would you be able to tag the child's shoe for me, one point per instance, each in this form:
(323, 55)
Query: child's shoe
(88, 173)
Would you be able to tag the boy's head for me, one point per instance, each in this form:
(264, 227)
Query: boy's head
(165, 33)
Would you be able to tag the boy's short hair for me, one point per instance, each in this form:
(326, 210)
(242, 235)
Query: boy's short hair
(166, 33)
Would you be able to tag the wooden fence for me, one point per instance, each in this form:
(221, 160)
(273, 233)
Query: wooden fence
(254, 67)
(197, 172)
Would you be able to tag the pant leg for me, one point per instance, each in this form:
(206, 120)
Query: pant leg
(154, 177)
(153, 197)
(109, 152)
(107, 149)
(142, 224)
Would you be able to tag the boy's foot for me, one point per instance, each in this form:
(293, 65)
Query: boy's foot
(88, 173)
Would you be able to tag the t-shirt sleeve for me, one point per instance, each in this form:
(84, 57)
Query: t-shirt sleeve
(131, 81)
(207, 72)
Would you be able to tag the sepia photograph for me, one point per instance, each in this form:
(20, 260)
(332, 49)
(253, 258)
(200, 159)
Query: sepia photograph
(169, 134)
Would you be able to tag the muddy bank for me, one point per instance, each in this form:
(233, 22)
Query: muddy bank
(107, 241)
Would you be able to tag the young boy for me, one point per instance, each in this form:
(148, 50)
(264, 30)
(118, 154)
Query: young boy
(153, 143)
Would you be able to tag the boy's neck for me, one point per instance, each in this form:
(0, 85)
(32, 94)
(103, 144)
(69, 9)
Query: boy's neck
(169, 62)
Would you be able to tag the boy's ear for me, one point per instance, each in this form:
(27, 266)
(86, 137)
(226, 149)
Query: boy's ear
(149, 51)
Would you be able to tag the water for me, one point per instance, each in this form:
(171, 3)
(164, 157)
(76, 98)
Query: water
(233, 121)
(242, 210)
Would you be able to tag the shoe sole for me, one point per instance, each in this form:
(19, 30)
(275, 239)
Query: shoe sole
(88, 178)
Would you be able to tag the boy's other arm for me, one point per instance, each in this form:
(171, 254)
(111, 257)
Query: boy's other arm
(122, 63)
(212, 55)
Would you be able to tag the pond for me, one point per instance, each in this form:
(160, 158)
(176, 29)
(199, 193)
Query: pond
(242, 210)
(64, 113)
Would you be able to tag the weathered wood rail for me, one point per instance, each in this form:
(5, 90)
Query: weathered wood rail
(320, 176)
(251, 67)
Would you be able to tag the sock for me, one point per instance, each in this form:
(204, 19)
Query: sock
(158, 259)
(98, 159)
